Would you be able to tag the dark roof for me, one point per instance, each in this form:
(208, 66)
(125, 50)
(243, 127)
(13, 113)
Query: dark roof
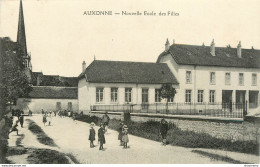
(54, 80)
(72, 81)
(101, 71)
(52, 92)
(225, 56)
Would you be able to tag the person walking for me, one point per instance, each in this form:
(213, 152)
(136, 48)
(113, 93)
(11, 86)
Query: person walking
(43, 112)
(163, 130)
(14, 128)
(125, 138)
(92, 134)
(101, 136)
(44, 119)
(21, 119)
(120, 133)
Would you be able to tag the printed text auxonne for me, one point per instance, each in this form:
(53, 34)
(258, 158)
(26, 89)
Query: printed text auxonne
(137, 13)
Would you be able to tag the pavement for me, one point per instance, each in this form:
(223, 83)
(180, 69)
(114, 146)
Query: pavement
(72, 137)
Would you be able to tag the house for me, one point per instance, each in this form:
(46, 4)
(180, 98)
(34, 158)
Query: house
(209, 74)
(118, 83)
(49, 98)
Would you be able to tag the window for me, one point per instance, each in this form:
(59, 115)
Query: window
(200, 96)
(69, 106)
(241, 79)
(212, 96)
(114, 94)
(212, 78)
(188, 96)
(157, 95)
(99, 95)
(227, 78)
(188, 76)
(145, 95)
(171, 100)
(58, 106)
(25, 63)
(254, 79)
(128, 95)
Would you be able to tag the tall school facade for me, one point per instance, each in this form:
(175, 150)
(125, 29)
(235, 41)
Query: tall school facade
(200, 74)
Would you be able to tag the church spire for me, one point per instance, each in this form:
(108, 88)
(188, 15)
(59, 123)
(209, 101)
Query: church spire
(21, 37)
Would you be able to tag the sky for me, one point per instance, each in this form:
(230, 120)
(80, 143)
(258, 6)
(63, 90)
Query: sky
(60, 37)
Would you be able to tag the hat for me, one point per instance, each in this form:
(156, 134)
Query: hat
(92, 124)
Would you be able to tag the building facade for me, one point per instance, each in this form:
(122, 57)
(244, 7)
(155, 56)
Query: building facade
(49, 98)
(115, 84)
(209, 74)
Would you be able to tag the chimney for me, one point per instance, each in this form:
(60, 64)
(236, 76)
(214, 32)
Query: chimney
(239, 54)
(173, 41)
(167, 45)
(83, 66)
(212, 48)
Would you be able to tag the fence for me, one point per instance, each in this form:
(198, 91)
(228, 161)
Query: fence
(231, 110)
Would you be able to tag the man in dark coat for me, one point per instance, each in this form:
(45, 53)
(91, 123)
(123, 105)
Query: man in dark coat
(19, 113)
(127, 117)
(101, 136)
(105, 120)
(163, 130)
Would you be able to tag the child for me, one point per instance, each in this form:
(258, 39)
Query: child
(49, 118)
(44, 119)
(92, 134)
(101, 136)
(21, 120)
(14, 128)
(125, 138)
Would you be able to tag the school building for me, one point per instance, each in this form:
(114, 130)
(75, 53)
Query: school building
(202, 75)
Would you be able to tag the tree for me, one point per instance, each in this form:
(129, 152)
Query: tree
(167, 92)
(13, 81)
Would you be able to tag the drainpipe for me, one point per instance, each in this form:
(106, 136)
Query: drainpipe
(195, 88)
(136, 93)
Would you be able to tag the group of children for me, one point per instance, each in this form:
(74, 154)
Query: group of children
(101, 136)
(47, 117)
(122, 136)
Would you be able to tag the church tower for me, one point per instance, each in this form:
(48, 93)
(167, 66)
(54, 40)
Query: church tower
(21, 41)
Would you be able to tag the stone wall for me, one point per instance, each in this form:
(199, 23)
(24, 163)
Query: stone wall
(222, 129)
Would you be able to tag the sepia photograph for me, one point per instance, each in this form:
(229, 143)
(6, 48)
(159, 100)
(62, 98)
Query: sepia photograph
(170, 82)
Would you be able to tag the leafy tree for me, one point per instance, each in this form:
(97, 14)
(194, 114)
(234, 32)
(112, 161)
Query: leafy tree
(13, 81)
(167, 92)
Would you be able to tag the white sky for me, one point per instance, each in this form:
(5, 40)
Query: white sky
(59, 37)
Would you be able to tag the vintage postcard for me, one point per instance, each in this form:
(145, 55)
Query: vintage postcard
(129, 82)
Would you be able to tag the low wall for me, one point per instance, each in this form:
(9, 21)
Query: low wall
(234, 130)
